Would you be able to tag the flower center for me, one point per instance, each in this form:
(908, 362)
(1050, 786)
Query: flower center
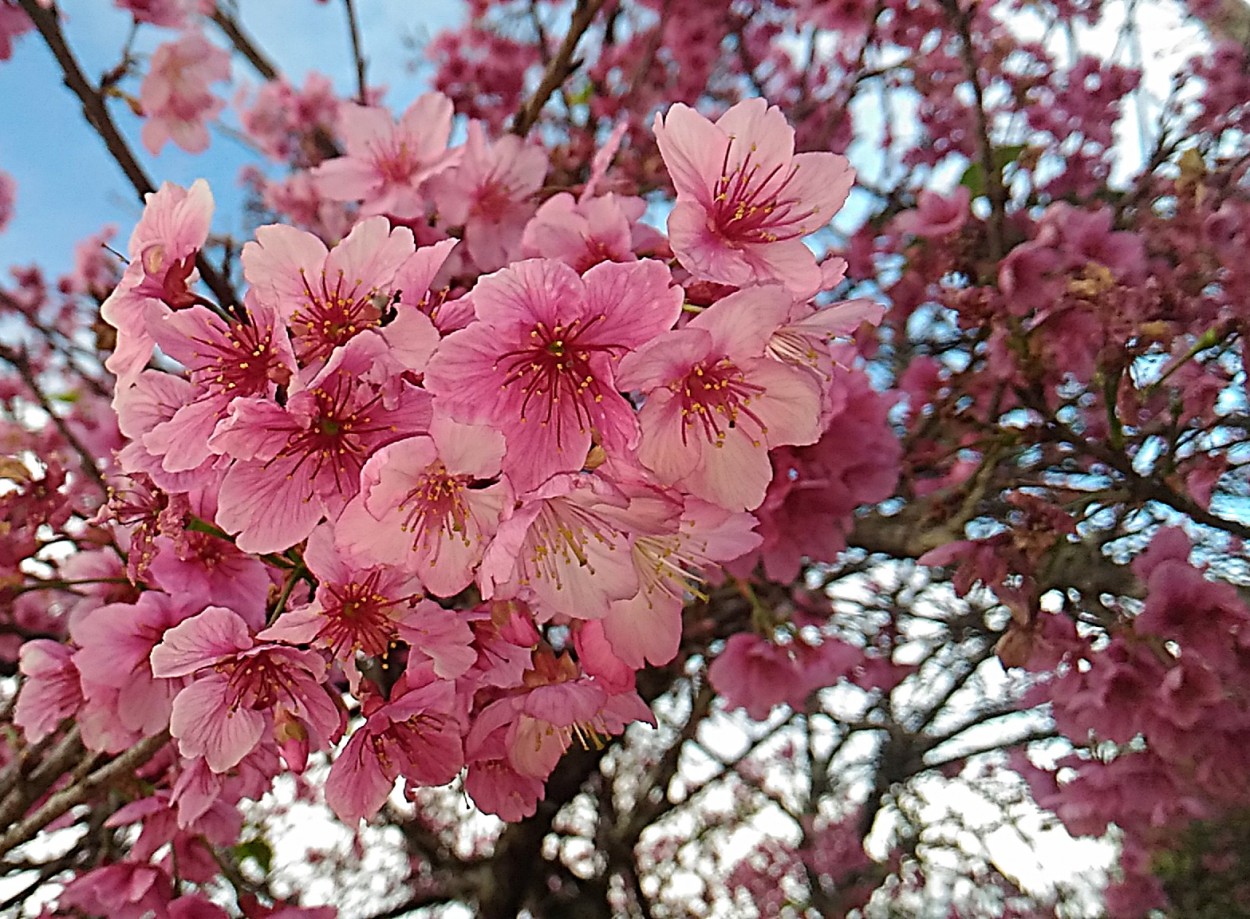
(715, 398)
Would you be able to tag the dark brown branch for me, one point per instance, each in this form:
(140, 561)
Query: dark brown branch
(358, 57)
(242, 43)
(559, 69)
(516, 870)
(97, 114)
(81, 791)
(961, 19)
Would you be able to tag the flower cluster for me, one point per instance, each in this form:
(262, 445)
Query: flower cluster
(447, 530)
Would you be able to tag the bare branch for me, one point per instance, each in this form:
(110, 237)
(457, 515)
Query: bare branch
(560, 68)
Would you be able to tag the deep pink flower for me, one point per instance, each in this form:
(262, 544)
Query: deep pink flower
(715, 404)
(224, 360)
(125, 890)
(489, 193)
(172, 14)
(539, 363)
(327, 296)
(8, 193)
(50, 693)
(756, 674)
(745, 200)
(295, 463)
(162, 251)
(386, 163)
(935, 214)
(356, 607)
(415, 735)
(240, 690)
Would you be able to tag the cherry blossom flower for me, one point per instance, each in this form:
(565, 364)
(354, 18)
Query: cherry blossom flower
(162, 251)
(489, 193)
(716, 404)
(295, 463)
(326, 296)
(225, 360)
(415, 735)
(51, 691)
(13, 22)
(8, 194)
(671, 567)
(386, 162)
(539, 363)
(431, 504)
(568, 546)
(745, 200)
(354, 609)
(176, 102)
(240, 689)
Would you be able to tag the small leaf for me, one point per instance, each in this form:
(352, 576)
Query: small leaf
(258, 850)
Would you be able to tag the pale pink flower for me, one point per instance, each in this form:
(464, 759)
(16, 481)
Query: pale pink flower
(327, 296)
(539, 363)
(671, 568)
(125, 700)
(293, 464)
(443, 637)
(162, 250)
(154, 399)
(430, 504)
(50, 692)
(582, 233)
(559, 707)
(240, 690)
(386, 163)
(745, 200)
(568, 546)
(715, 403)
(175, 98)
(489, 193)
(415, 735)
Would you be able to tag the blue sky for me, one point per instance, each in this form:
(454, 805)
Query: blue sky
(68, 186)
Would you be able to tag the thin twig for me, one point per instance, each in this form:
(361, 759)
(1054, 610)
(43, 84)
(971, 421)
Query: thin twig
(961, 19)
(244, 44)
(358, 57)
(560, 68)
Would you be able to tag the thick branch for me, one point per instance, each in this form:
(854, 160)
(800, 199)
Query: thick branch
(79, 792)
